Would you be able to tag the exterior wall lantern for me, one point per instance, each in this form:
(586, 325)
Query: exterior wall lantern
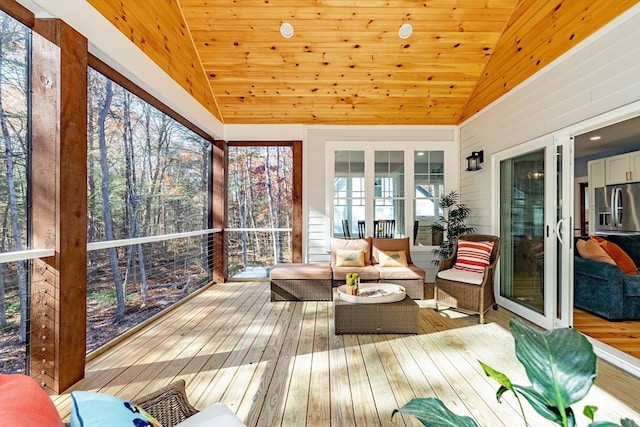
(474, 160)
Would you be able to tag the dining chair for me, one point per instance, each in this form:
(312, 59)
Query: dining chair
(384, 228)
(361, 229)
(345, 229)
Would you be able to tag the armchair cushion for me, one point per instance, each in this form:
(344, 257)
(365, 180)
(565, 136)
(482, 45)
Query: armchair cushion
(392, 258)
(457, 275)
(473, 256)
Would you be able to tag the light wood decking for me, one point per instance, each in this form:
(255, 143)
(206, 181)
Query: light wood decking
(279, 363)
(623, 335)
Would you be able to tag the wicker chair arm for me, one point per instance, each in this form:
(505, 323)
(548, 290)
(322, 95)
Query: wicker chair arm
(446, 263)
(168, 405)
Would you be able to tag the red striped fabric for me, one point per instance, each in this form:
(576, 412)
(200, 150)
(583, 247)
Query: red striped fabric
(473, 256)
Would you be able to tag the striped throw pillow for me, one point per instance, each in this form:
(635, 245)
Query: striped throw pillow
(473, 256)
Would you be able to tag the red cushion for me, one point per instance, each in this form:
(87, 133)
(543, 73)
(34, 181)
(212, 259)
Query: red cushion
(473, 256)
(24, 403)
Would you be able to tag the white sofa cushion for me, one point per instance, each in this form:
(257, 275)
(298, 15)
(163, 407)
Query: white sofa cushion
(216, 415)
(461, 276)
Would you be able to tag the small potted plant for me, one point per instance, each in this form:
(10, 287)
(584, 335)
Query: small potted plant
(353, 282)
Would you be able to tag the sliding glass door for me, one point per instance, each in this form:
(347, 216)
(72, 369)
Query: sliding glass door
(535, 233)
(522, 229)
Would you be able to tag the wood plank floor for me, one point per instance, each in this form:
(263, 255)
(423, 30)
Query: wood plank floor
(281, 364)
(623, 335)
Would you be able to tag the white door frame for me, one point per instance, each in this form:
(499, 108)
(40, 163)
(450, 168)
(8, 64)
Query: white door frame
(547, 319)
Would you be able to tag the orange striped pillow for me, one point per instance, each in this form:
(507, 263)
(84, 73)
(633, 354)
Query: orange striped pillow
(473, 256)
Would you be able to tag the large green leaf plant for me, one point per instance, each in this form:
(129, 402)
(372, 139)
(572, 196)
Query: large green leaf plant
(561, 366)
(453, 224)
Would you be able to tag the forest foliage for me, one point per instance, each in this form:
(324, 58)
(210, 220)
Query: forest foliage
(147, 176)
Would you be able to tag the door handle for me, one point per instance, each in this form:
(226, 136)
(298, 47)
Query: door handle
(558, 230)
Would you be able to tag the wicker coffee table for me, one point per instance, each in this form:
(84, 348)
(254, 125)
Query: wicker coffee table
(399, 317)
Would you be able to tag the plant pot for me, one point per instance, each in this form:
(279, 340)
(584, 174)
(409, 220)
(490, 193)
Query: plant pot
(436, 238)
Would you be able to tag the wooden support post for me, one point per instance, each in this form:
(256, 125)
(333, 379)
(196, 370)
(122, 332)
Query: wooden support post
(219, 212)
(57, 341)
(296, 235)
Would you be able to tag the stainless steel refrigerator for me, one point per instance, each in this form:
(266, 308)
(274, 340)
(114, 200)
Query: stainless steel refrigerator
(618, 208)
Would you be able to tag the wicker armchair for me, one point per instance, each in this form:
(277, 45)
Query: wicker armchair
(475, 298)
(169, 405)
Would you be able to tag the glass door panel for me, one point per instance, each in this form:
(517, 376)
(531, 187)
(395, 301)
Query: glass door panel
(522, 208)
(389, 192)
(348, 194)
(428, 170)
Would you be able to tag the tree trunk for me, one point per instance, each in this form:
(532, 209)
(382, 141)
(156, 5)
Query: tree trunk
(132, 194)
(274, 234)
(106, 207)
(91, 179)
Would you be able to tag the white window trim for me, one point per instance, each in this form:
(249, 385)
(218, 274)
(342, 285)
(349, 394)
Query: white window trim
(451, 172)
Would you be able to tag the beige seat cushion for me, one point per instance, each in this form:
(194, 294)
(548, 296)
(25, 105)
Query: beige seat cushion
(367, 273)
(389, 245)
(410, 272)
(456, 275)
(301, 271)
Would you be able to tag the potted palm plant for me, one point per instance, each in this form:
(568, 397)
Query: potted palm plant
(452, 222)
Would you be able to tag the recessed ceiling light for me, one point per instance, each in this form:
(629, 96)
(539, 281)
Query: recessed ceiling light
(405, 31)
(286, 30)
(595, 138)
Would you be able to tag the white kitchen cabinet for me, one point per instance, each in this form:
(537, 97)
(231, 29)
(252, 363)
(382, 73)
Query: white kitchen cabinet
(595, 179)
(622, 168)
(595, 172)
(634, 162)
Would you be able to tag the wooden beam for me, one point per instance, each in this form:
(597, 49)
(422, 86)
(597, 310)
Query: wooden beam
(18, 11)
(296, 235)
(59, 182)
(219, 211)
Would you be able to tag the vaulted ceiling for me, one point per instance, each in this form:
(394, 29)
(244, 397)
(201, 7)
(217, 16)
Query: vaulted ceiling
(346, 63)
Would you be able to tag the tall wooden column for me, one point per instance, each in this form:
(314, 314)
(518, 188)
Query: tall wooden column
(296, 237)
(219, 212)
(59, 212)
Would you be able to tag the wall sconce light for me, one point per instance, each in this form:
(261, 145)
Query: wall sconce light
(474, 160)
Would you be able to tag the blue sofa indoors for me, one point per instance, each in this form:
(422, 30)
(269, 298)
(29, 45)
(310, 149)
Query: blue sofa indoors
(602, 289)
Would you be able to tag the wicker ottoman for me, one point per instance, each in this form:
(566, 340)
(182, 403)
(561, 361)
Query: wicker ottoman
(389, 318)
(301, 282)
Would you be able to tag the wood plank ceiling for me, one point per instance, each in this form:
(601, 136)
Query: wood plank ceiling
(345, 63)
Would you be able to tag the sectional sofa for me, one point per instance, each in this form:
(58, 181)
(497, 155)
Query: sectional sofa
(374, 259)
(609, 285)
